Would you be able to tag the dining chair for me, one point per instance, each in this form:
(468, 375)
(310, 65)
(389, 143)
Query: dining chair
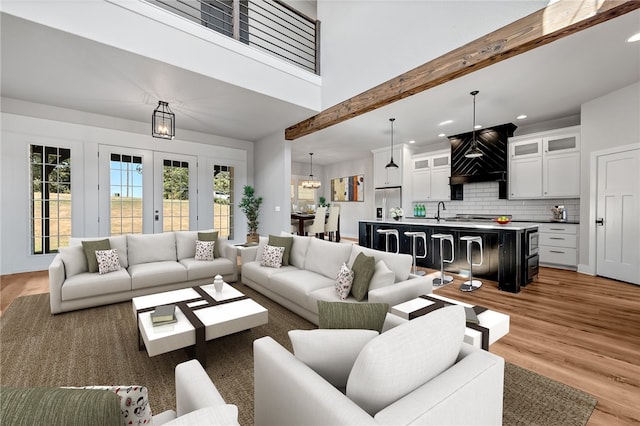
(331, 227)
(317, 226)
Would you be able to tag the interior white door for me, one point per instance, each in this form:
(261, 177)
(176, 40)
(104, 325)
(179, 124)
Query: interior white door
(175, 192)
(618, 210)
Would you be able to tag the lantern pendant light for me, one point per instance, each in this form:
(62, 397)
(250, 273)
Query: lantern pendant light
(311, 183)
(163, 122)
(391, 164)
(474, 151)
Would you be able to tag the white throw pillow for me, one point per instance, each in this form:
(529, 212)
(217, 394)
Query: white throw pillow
(330, 352)
(404, 358)
(344, 280)
(272, 256)
(108, 261)
(382, 276)
(204, 250)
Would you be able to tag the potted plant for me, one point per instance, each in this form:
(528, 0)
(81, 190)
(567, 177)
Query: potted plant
(323, 202)
(250, 206)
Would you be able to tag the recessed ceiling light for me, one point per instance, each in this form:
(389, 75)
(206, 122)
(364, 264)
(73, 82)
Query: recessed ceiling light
(635, 37)
(521, 117)
(441, 135)
(445, 122)
(412, 141)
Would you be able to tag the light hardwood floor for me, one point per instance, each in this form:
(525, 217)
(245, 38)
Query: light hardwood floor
(580, 330)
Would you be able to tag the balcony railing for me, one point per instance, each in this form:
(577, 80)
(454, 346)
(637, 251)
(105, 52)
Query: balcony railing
(268, 25)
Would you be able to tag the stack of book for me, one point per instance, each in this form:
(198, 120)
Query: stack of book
(165, 314)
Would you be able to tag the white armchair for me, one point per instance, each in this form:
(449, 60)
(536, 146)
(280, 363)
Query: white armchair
(399, 377)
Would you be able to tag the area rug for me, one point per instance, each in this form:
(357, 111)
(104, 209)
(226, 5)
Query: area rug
(99, 346)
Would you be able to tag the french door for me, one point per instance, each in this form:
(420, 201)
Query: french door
(146, 192)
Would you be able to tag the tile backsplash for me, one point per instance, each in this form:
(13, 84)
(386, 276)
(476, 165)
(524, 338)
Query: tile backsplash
(482, 198)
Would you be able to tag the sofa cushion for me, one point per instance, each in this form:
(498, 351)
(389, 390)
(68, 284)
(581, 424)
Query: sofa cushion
(204, 250)
(199, 269)
(344, 281)
(154, 274)
(58, 406)
(146, 248)
(298, 249)
(405, 357)
(399, 263)
(252, 271)
(382, 276)
(186, 244)
(368, 316)
(90, 248)
(108, 261)
(89, 284)
(285, 242)
(327, 294)
(363, 268)
(330, 353)
(272, 256)
(325, 257)
(210, 236)
(74, 259)
(298, 284)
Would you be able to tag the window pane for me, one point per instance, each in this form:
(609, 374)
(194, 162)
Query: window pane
(223, 200)
(175, 196)
(126, 194)
(50, 198)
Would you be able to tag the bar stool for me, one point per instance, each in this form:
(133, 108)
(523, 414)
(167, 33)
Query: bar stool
(472, 284)
(414, 236)
(444, 279)
(387, 233)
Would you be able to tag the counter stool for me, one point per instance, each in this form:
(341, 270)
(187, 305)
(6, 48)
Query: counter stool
(472, 284)
(444, 279)
(387, 233)
(415, 235)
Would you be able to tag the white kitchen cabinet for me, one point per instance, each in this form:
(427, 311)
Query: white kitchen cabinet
(431, 173)
(545, 165)
(558, 245)
(383, 177)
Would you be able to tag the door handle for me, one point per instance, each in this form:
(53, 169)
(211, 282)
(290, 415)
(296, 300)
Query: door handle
(600, 221)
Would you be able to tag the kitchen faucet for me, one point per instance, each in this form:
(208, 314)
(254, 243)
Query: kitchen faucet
(443, 208)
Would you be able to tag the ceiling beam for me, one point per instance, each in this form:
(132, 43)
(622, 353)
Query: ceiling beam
(556, 21)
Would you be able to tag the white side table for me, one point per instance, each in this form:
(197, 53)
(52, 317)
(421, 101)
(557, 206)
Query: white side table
(496, 323)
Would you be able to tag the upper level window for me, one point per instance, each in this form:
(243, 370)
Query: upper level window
(50, 198)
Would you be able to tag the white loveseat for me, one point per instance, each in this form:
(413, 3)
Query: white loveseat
(417, 373)
(151, 263)
(312, 270)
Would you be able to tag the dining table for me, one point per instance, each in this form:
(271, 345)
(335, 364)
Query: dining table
(301, 217)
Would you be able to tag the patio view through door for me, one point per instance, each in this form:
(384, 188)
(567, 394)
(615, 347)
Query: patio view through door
(143, 191)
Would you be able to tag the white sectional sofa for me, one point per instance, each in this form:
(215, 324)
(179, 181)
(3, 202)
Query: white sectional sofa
(151, 263)
(312, 270)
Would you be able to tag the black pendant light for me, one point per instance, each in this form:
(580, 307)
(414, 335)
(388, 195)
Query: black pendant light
(391, 164)
(163, 122)
(311, 183)
(474, 151)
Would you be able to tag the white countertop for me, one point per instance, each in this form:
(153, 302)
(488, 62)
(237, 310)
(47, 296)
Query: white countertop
(511, 226)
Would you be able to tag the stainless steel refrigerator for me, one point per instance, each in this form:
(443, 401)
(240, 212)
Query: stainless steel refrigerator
(385, 199)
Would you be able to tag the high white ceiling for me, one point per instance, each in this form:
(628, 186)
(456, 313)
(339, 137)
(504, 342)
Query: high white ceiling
(47, 66)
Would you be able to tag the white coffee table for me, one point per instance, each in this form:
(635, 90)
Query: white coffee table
(202, 314)
(495, 323)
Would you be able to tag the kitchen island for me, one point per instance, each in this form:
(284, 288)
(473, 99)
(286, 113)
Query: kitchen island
(510, 250)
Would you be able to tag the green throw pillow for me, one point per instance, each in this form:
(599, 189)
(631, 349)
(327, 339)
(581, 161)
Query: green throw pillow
(90, 248)
(211, 236)
(363, 268)
(59, 406)
(368, 316)
(285, 242)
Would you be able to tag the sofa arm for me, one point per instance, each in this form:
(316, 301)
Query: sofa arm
(230, 252)
(194, 388)
(287, 392)
(469, 393)
(402, 291)
(56, 279)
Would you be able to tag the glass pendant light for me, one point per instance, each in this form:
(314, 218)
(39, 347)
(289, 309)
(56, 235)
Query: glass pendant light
(474, 151)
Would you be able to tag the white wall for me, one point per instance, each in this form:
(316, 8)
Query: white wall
(609, 121)
(365, 43)
(19, 131)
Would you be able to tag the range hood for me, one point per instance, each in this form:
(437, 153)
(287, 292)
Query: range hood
(490, 167)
